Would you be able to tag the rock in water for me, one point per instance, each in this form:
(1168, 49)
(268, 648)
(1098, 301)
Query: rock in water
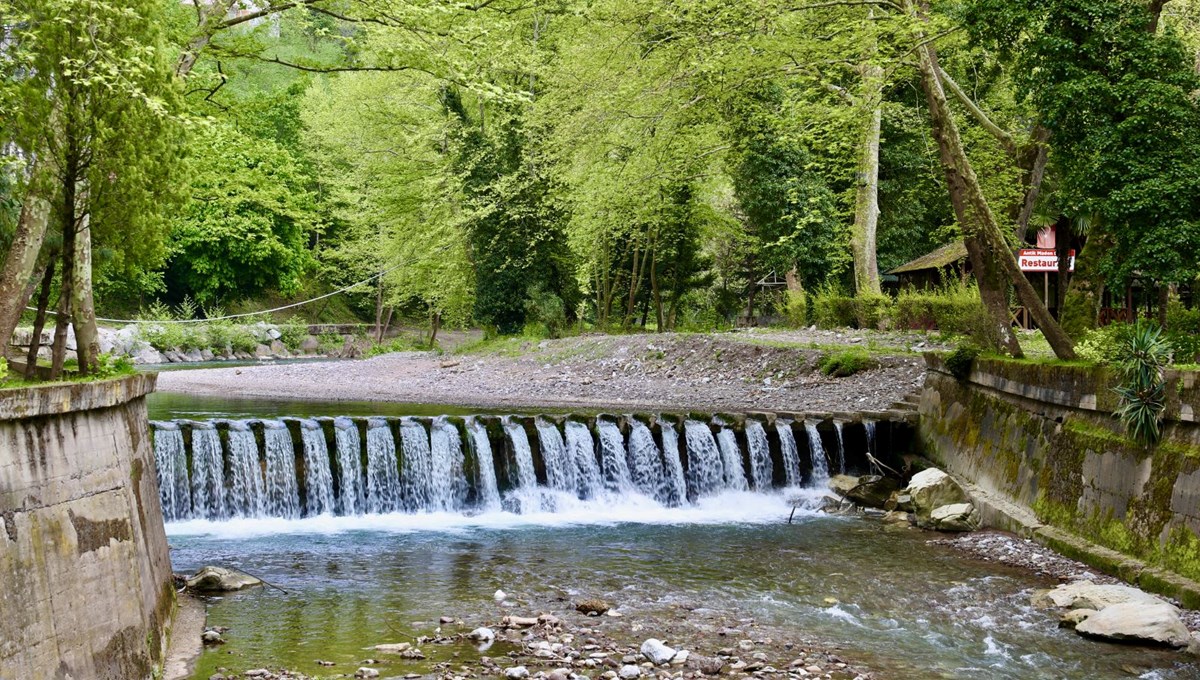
(592, 607)
(873, 491)
(365, 672)
(1157, 624)
(956, 517)
(499, 596)
(219, 579)
(931, 489)
(1088, 595)
(842, 484)
(518, 622)
(516, 673)
(658, 653)
(482, 634)
(394, 648)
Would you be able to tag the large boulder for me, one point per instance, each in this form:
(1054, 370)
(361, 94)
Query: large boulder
(955, 517)
(1155, 624)
(842, 484)
(873, 491)
(219, 579)
(1089, 595)
(931, 489)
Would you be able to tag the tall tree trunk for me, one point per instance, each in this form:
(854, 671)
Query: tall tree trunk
(1064, 234)
(62, 322)
(39, 320)
(866, 202)
(379, 311)
(436, 326)
(21, 261)
(976, 218)
(658, 306)
(87, 335)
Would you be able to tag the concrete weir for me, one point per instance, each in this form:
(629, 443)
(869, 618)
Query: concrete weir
(85, 574)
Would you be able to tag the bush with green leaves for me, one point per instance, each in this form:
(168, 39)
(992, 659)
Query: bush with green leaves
(544, 313)
(795, 309)
(293, 335)
(1144, 354)
(831, 308)
(872, 311)
(961, 360)
(953, 309)
(3, 369)
(1102, 345)
(847, 362)
(110, 366)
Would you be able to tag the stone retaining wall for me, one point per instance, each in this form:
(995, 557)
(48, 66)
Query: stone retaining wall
(1043, 438)
(85, 575)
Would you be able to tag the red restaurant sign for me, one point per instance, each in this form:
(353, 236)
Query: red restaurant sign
(1034, 260)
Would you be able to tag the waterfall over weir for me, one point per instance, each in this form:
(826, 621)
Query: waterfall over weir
(303, 467)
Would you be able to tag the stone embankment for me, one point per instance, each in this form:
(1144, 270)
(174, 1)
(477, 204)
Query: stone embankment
(85, 577)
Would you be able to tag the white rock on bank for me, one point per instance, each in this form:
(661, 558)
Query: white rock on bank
(1089, 595)
(629, 672)
(657, 652)
(956, 517)
(516, 673)
(1136, 622)
(931, 489)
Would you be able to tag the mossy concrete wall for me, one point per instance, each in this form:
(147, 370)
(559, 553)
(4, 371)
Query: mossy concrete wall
(1044, 437)
(85, 576)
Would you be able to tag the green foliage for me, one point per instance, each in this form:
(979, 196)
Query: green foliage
(795, 309)
(292, 336)
(109, 366)
(831, 308)
(3, 369)
(1103, 345)
(1144, 353)
(245, 227)
(847, 362)
(954, 309)
(960, 361)
(330, 343)
(544, 312)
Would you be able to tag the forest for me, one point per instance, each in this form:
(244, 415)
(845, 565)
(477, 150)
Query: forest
(552, 166)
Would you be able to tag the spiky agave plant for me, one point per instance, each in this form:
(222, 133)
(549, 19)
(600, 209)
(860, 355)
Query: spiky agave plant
(1144, 355)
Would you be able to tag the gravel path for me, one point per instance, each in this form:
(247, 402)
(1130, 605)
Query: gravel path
(721, 372)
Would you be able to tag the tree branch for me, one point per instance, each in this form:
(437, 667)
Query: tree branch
(258, 14)
(1005, 137)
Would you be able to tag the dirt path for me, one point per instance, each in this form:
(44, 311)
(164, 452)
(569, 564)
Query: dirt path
(722, 372)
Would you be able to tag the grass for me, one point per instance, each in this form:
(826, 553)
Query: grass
(847, 362)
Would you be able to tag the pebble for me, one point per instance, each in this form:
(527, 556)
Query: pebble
(629, 672)
(365, 672)
(516, 673)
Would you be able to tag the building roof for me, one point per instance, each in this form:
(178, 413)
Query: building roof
(942, 257)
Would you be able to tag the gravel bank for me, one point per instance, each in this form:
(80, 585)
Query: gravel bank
(723, 372)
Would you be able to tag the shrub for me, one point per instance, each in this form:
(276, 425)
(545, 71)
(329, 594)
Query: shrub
(244, 340)
(872, 311)
(847, 362)
(1144, 354)
(109, 366)
(795, 309)
(219, 334)
(961, 360)
(292, 336)
(544, 311)
(162, 336)
(3, 369)
(1102, 345)
(954, 309)
(331, 343)
(832, 309)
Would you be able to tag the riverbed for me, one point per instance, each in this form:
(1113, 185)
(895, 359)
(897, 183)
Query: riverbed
(702, 577)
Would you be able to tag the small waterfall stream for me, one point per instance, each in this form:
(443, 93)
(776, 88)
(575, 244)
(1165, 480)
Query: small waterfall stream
(789, 452)
(245, 497)
(208, 473)
(318, 479)
(170, 460)
(582, 449)
(674, 480)
(383, 475)
(481, 447)
(816, 449)
(731, 460)
(350, 472)
(282, 493)
(292, 468)
(841, 450)
(760, 455)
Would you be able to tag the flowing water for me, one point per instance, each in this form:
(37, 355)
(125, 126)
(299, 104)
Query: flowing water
(905, 608)
(373, 538)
